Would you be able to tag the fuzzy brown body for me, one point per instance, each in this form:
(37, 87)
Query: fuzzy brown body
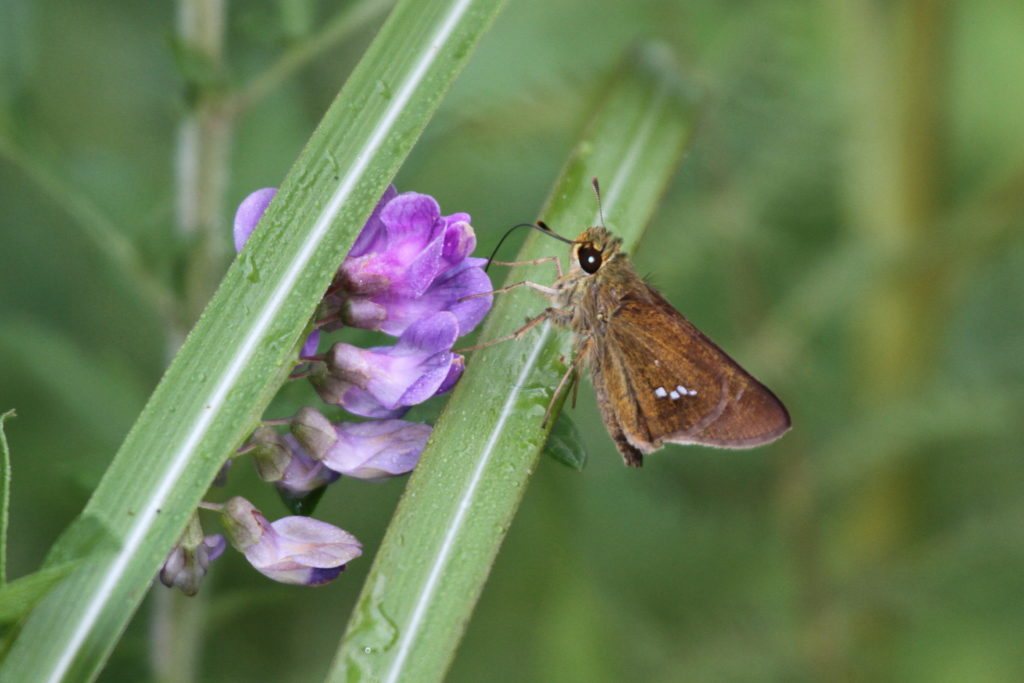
(657, 377)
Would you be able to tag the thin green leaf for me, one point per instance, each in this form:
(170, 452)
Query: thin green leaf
(246, 341)
(350, 18)
(20, 595)
(461, 499)
(99, 229)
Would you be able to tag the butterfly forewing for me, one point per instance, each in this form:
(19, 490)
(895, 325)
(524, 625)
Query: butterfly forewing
(686, 389)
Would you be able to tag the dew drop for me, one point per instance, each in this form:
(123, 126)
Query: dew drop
(384, 90)
(249, 268)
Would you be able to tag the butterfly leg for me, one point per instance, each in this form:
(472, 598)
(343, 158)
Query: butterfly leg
(518, 334)
(535, 262)
(569, 376)
(543, 289)
(563, 317)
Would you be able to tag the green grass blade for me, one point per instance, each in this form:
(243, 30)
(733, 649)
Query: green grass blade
(232, 363)
(461, 499)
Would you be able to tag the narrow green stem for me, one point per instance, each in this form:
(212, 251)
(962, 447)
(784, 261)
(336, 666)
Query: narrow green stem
(204, 142)
(349, 19)
(97, 228)
(462, 497)
(5, 494)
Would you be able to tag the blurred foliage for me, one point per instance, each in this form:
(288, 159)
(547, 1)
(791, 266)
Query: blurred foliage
(847, 225)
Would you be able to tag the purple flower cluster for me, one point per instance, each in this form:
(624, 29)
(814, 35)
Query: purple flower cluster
(408, 274)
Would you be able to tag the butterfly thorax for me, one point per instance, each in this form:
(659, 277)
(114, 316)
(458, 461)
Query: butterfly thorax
(588, 300)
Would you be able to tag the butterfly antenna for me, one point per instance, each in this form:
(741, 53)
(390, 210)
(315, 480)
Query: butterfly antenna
(597, 193)
(539, 225)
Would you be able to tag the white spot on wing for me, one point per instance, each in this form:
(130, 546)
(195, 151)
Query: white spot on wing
(674, 394)
(660, 392)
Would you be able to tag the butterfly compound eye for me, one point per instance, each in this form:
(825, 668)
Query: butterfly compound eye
(590, 258)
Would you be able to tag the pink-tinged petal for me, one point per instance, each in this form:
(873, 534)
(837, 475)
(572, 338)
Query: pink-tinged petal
(377, 450)
(295, 550)
(249, 213)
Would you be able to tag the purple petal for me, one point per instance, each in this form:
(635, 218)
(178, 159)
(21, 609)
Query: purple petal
(430, 380)
(402, 375)
(447, 293)
(413, 273)
(429, 335)
(361, 402)
(310, 346)
(459, 238)
(411, 216)
(296, 549)
(404, 256)
(303, 474)
(314, 543)
(377, 450)
(249, 213)
(454, 373)
(215, 545)
(394, 313)
(373, 235)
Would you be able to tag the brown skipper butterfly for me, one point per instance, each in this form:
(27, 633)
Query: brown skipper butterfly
(657, 377)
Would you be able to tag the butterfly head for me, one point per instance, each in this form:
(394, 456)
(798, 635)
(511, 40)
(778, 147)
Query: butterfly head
(593, 248)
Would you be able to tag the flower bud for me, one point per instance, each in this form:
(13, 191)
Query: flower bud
(189, 559)
(313, 431)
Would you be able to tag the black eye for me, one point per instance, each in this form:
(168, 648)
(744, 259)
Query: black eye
(590, 258)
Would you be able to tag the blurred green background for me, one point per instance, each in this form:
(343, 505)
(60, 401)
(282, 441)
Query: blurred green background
(847, 224)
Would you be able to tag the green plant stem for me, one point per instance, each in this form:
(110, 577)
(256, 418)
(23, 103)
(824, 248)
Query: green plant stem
(349, 19)
(894, 185)
(246, 341)
(204, 143)
(96, 227)
(5, 494)
(460, 501)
